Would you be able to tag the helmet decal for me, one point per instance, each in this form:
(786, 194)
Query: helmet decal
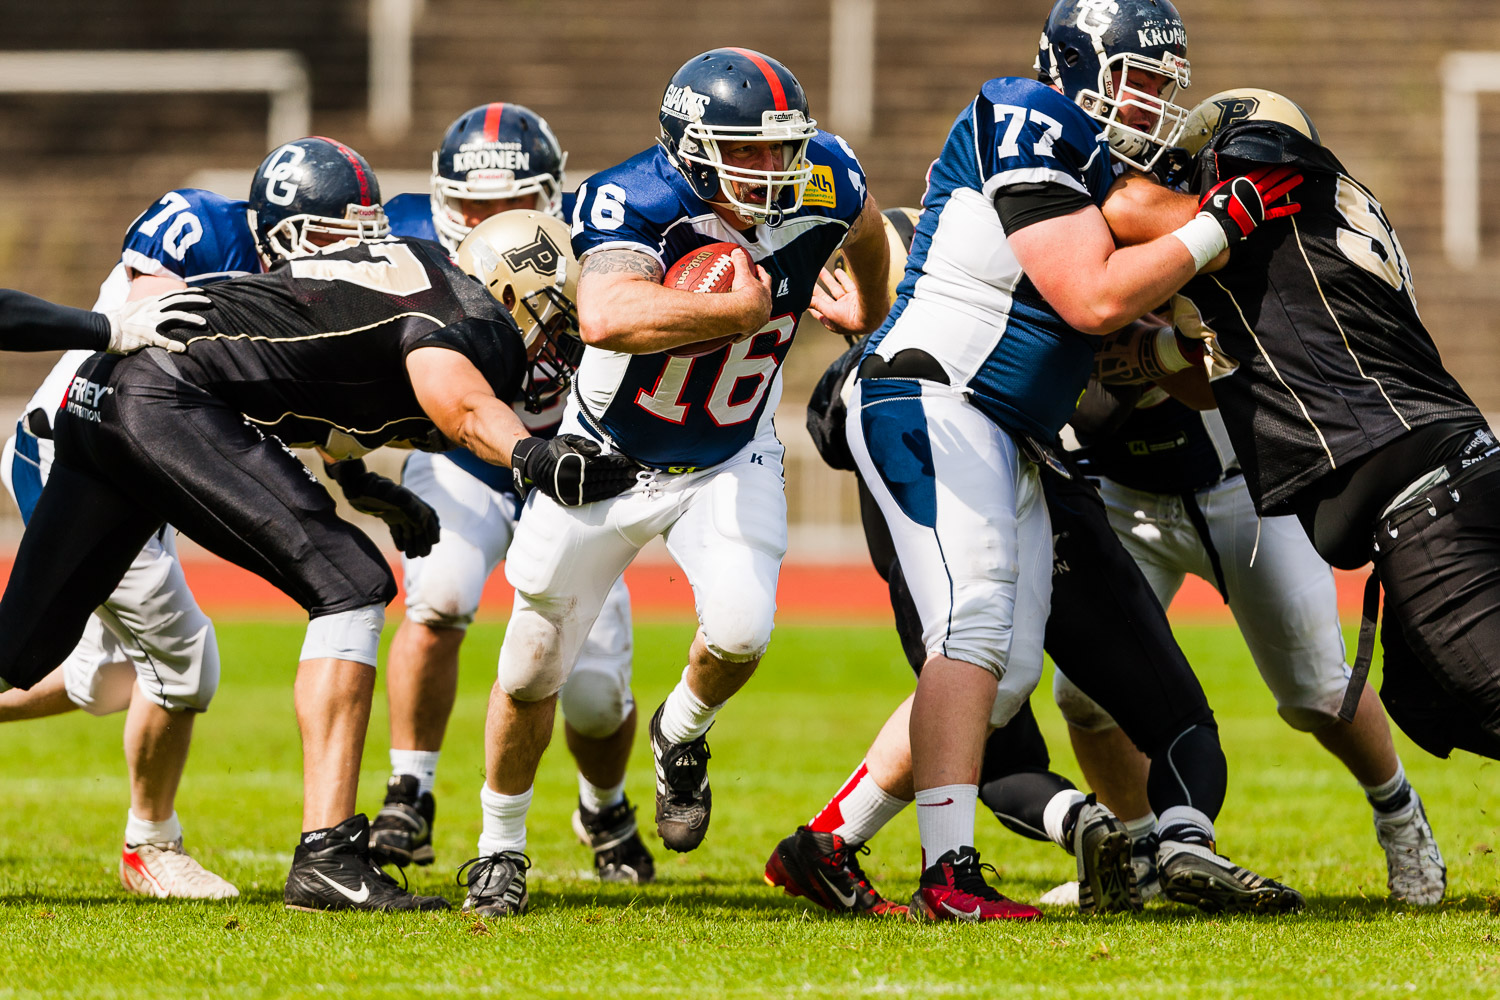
(490, 153)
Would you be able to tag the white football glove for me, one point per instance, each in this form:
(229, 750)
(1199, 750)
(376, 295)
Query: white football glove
(134, 325)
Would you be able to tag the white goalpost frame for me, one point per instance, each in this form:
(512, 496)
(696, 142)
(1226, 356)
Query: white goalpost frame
(279, 73)
(1465, 76)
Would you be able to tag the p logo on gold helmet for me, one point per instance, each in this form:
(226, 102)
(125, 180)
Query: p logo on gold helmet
(1245, 104)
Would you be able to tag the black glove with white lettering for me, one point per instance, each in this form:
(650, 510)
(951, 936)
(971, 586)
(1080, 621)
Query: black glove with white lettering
(414, 525)
(571, 469)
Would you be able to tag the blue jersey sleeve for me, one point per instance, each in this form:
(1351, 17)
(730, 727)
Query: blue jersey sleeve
(837, 186)
(629, 206)
(195, 235)
(1027, 133)
(411, 215)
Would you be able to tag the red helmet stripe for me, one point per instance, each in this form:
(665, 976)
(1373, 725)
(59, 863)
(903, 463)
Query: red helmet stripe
(492, 121)
(777, 93)
(359, 168)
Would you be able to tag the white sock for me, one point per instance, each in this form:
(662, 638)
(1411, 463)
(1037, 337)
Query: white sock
(420, 763)
(596, 799)
(859, 810)
(1392, 797)
(945, 819)
(1055, 812)
(504, 821)
(144, 831)
(1186, 824)
(685, 717)
(1139, 827)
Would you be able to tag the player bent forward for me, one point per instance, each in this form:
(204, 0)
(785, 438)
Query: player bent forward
(359, 346)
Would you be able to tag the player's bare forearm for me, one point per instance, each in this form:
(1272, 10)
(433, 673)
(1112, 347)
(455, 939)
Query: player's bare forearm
(461, 404)
(1139, 209)
(1190, 386)
(622, 306)
(1095, 287)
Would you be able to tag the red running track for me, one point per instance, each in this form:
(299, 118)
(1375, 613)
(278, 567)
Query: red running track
(808, 592)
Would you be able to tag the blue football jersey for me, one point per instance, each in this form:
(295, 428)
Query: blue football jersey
(195, 235)
(411, 215)
(964, 298)
(671, 412)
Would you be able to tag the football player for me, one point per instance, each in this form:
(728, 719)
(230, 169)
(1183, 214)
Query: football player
(1341, 413)
(738, 160)
(149, 646)
(497, 158)
(361, 345)
(1012, 277)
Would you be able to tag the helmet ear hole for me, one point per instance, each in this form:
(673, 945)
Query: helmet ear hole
(508, 297)
(1071, 56)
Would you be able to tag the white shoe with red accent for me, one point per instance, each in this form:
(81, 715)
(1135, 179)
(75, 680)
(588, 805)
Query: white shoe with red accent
(166, 871)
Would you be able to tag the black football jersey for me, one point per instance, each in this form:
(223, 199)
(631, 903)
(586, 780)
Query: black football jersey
(1315, 322)
(314, 351)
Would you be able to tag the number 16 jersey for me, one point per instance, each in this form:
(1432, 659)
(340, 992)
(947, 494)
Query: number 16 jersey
(677, 413)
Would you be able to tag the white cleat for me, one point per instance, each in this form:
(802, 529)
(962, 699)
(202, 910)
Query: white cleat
(166, 871)
(1414, 865)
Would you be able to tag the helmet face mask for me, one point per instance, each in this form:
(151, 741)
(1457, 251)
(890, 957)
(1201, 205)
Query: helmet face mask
(493, 152)
(1122, 62)
(728, 97)
(525, 261)
(309, 194)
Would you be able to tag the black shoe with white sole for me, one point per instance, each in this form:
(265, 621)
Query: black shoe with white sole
(619, 853)
(1195, 874)
(335, 872)
(683, 798)
(496, 884)
(402, 832)
(1106, 875)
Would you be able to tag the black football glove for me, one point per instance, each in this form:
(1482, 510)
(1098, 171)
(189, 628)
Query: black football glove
(414, 525)
(1239, 204)
(571, 469)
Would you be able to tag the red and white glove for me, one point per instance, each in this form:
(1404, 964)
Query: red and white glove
(1239, 204)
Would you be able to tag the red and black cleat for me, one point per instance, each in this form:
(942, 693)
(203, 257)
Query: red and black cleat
(954, 889)
(823, 869)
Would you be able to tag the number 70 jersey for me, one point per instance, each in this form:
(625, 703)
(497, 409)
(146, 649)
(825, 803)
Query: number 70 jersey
(671, 412)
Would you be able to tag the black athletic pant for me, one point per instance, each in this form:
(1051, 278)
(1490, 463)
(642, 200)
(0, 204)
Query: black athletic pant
(1438, 560)
(136, 447)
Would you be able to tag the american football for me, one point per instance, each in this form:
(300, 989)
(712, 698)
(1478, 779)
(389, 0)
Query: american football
(706, 269)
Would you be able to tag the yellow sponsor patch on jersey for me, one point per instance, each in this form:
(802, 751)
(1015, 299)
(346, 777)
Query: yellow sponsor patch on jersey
(819, 193)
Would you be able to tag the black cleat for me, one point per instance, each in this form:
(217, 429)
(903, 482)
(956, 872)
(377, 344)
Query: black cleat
(619, 854)
(339, 874)
(496, 885)
(683, 798)
(1194, 874)
(825, 870)
(402, 832)
(1106, 874)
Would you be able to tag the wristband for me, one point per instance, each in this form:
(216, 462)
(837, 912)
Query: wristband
(1204, 238)
(1169, 352)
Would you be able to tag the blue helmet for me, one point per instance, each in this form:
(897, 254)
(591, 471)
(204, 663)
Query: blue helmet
(310, 193)
(733, 95)
(1089, 49)
(490, 152)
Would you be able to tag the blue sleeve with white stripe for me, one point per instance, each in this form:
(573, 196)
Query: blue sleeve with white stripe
(192, 234)
(629, 206)
(1027, 133)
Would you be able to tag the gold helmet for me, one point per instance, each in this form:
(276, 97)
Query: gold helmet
(900, 226)
(1244, 104)
(525, 260)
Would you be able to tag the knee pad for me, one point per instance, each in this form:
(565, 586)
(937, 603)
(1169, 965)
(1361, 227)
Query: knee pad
(596, 702)
(182, 671)
(443, 589)
(1308, 719)
(737, 634)
(104, 689)
(346, 635)
(531, 657)
(1078, 708)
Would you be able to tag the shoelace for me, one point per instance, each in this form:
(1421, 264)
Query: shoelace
(482, 866)
(970, 880)
(847, 858)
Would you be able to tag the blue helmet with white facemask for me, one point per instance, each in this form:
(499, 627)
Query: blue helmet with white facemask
(1097, 51)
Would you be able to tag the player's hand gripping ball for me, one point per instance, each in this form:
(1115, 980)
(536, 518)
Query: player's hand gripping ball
(707, 269)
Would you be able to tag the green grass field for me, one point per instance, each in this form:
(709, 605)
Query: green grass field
(710, 927)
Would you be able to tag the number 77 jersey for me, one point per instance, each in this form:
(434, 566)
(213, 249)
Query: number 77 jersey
(675, 413)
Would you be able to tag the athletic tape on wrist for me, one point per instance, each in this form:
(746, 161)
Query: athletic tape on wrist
(1204, 238)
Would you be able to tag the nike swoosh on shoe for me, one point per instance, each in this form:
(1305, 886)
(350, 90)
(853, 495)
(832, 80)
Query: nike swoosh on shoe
(353, 897)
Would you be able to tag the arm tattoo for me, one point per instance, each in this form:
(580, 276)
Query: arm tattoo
(622, 261)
